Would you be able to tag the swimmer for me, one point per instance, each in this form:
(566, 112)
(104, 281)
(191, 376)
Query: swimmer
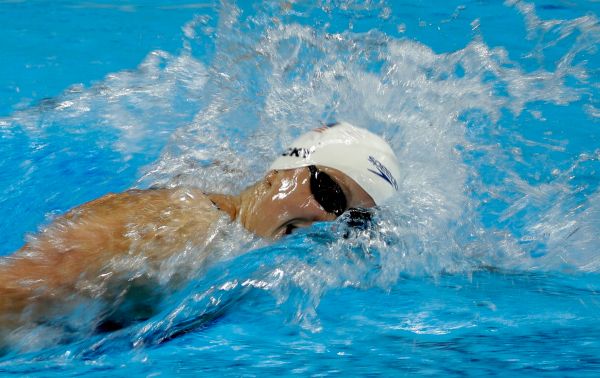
(323, 174)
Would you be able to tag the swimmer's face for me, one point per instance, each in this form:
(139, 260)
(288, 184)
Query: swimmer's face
(285, 201)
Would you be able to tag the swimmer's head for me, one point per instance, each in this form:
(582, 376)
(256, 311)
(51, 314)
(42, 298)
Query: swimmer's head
(361, 155)
(321, 175)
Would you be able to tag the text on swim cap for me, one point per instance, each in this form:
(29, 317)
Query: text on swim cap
(383, 172)
(300, 152)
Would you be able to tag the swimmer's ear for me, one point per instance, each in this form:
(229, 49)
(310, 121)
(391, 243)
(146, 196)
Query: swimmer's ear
(270, 177)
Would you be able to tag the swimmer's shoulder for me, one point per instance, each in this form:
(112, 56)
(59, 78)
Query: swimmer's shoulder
(190, 198)
(143, 203)
(178, 195)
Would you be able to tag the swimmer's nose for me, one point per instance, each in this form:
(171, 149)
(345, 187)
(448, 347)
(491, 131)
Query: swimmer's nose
(308, 213)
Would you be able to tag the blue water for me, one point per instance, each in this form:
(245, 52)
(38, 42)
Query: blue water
(486, 263)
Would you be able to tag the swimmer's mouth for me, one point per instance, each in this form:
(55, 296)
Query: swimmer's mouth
(289, 229)
(358, 218)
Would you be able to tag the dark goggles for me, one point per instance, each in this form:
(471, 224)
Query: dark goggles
(327, 192)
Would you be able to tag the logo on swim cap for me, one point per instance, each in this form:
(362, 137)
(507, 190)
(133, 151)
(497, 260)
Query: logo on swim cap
(383, 172)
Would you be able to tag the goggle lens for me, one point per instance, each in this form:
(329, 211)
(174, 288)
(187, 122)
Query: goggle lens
(327, 192)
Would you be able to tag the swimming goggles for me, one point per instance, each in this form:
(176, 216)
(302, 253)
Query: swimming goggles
(327, 192)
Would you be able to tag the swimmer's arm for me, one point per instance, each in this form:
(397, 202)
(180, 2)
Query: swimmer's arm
(148, 224)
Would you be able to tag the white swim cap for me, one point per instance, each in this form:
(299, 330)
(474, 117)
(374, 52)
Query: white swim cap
(363, 156)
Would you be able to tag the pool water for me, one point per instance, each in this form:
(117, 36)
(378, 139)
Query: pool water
(486, 263)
